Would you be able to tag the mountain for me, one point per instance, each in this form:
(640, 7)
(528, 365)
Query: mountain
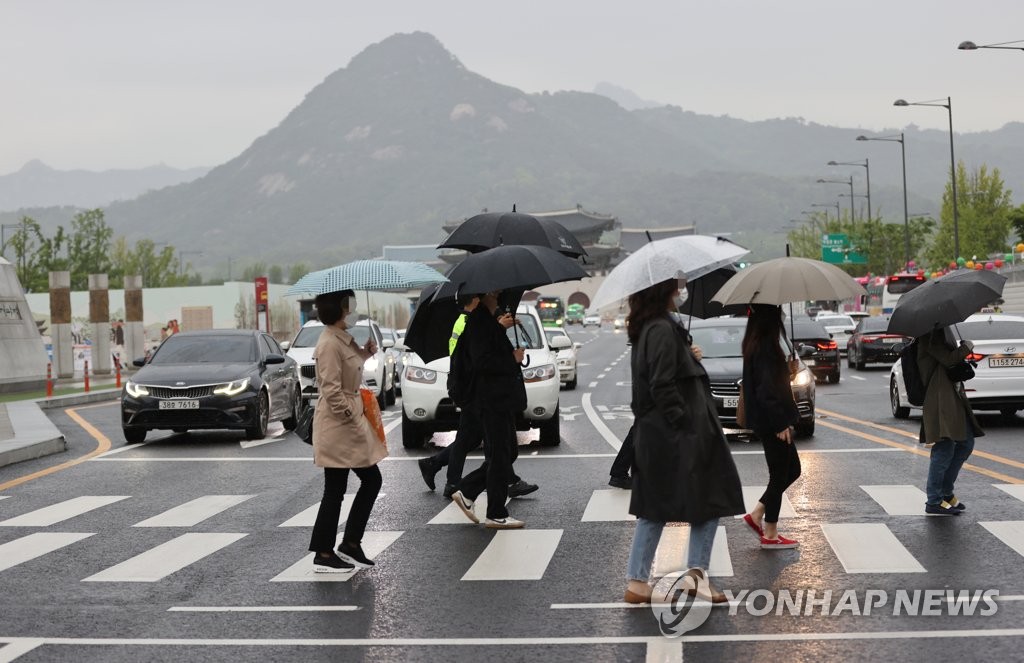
(38, 185)
(404, 138)
(624, 97)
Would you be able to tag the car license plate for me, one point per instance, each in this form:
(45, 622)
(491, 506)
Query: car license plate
(1005, 362)
(809, 362)
(731, 402)
(892, 341)
(179, 405)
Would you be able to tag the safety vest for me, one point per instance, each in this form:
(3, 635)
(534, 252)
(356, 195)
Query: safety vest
(460, 324)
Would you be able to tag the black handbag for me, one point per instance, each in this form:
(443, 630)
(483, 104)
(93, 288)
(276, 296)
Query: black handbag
(960, 371)
(304, 425)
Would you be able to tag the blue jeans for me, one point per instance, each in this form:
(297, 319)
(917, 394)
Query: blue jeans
(947, 457)
(645, 544)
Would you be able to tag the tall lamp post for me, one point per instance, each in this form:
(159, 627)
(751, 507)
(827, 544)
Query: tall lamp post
(971, 46)
(906, 217)
(849, 182)
(867, 177)
(952, 163)
(836, 205)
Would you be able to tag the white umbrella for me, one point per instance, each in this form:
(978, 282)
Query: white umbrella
(686, 256)
(787, 280)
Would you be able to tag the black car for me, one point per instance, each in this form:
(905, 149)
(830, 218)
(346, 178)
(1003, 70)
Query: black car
(824, 361)
(870, 343)
(234, 379)
(719, 340)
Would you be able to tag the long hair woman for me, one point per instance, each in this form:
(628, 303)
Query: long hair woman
(772, 414)
(342, 437)
(683, 470)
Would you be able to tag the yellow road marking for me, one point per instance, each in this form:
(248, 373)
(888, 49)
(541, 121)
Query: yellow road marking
(103, 445)
(889, 443)
(980, 454)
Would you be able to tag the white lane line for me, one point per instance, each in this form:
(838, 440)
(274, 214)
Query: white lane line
(1010, 532)
(516, 555)
(664, 651)
(374, 543)
(599, 425)
(167, 558)
(591, 385)
(452, 515)
(857, 377)
(62, 511)
(391, 425)
(127, 447)
(3, 497)
(263, 608)
(194, 512)
(869, 548)
(35, 545)
(601, 375)
(752, 495)
(249, 444)
(1016, 490)
(898, 500)
(671, 554)
(18, 648)
(307, 517)
(608, 505)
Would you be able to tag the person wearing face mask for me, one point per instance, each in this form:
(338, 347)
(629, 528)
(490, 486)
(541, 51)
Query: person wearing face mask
(342, 437)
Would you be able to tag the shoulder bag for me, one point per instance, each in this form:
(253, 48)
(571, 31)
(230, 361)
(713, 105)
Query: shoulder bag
(304, 424)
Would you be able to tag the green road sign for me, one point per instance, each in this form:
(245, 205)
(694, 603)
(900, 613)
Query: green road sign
(836, 249)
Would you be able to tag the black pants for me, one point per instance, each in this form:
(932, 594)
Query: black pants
(624, 459)
(325, 531)
(500, 451)
(469, 436)
(783, 470)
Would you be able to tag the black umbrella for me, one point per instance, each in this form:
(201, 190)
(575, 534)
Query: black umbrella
(699, 292)
(945, 301)
(508, 268)
(491, 229)
(431, 325)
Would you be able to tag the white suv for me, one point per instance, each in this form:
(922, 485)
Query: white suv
(378, 371)
(426, 407)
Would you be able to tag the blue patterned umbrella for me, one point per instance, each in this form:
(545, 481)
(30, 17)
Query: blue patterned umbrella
(367, 275)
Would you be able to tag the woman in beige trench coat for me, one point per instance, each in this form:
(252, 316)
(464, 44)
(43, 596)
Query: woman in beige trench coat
(342, 437)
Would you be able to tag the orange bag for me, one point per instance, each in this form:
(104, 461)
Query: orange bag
(371, 410)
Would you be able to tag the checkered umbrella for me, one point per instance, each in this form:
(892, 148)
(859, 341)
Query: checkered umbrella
(367, 275)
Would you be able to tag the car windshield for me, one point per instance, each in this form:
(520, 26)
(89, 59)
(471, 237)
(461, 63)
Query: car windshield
(836, 320)
(526, 334)
(234, 349)
(308, 336)
(802, 329)
(991, 330)
(874, 325)
(719, 342)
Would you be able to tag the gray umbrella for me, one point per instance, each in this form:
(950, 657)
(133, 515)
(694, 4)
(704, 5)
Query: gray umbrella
(785, 280)
(945, 301)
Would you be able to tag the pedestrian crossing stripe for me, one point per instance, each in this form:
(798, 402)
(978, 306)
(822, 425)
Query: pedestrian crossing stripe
(1010, 532)
(307, 517)
(522, 554)
(1014, 489)
(373, 544)
(56, 513)
(192, 513)
(898, 500)
(670, 556)
(608, 505)
(869, 548)
(36, 545)
(167, 558)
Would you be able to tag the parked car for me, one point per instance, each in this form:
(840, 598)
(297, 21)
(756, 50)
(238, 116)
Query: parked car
(870, 343)
(824, 362)
(426, 407)
(720, 340)
(998, 382)
(236, 379)
(395, 350)
(378, 372)
(840, 327)
(565, 349)
(592, 318)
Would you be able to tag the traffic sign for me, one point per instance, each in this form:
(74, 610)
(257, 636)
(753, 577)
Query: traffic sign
(836, 249)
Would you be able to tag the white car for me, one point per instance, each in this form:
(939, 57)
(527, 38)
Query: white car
(592, 319)
(998, 382)
(839, 327)
(378, 371)
(426, 407)
(620, 322)
(562, 345)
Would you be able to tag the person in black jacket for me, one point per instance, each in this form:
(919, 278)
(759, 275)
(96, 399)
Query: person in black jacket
(772, 414)
(498, 394)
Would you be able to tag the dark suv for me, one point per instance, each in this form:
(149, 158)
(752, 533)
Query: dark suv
(870, 343)
(824, 362)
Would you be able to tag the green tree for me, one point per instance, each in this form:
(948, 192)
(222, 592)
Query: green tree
(35, 255)
(984, 210)
(157, 269)
(253, 271)
(89, 247)
(1016, 218)
(276, 274)
(297, 271)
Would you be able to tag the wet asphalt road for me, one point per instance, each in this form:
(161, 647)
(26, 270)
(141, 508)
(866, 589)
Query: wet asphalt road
(420, 603)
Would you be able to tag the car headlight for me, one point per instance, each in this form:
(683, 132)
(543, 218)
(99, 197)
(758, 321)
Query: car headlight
(370, 365)
(802, 378)
(419, 374)
(539, 373)
(135, 390)
(232, 388)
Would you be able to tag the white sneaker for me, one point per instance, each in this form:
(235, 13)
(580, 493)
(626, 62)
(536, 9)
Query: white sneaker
(504, 523)
(465, 504)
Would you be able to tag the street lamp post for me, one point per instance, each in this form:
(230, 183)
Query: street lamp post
(971, 46)
(867, 177)
(952, 163)
(906, 217)
(849, 182)
(836, 205)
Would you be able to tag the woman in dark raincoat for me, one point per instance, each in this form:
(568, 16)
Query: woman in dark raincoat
(683, 470)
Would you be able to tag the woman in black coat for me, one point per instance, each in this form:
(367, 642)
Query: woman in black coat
(683, 469)
(772, 414)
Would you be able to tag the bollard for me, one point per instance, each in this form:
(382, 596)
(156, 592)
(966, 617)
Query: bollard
(87, 376)
(49, 380)
(117, 374)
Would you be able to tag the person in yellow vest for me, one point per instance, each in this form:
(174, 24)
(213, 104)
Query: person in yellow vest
(470, 433)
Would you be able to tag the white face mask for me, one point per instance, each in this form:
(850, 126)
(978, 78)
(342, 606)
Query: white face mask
(352, 317)
(679, 299)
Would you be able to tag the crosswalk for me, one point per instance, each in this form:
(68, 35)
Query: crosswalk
(519, 555)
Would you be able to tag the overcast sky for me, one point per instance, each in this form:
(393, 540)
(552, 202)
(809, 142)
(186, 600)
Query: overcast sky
(104, 84)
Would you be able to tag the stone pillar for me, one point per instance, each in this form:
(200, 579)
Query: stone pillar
(60, 325)
(99, 318)
(134, 331)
